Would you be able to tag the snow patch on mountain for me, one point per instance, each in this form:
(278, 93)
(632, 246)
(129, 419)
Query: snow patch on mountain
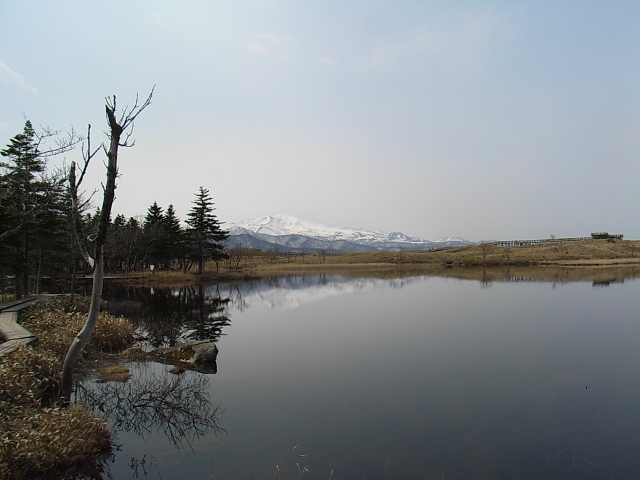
(286, 231)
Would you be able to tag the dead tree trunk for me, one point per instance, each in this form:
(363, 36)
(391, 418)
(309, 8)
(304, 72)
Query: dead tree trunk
(116, 129)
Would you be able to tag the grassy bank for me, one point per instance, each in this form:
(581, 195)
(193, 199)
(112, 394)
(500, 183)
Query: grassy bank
(256, 264)
(38, 438)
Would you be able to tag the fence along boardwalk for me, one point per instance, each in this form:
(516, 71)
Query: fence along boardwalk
(14, 334)
(524, 243)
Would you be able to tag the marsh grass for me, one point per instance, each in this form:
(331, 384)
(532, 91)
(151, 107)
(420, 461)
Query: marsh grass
(38, 439)
(57, 321)
(289, 467)
(42, 442)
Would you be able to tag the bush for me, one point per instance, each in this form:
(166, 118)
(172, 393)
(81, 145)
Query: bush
(28, 377)
(56, 322)
(43, 441)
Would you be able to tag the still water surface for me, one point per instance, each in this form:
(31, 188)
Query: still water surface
(421, 377)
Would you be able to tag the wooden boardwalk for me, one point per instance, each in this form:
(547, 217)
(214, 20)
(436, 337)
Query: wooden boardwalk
(11, 332)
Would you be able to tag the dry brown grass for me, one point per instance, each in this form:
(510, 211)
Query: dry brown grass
(38, 440)
(259, 265)
(57, 321)
(28, 377)
(590, 260)
(41, 442)
(114, 373)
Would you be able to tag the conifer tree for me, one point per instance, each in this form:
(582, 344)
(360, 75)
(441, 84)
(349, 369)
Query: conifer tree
(154, 235)
(31, 207)
(174, 235)
(205, 234)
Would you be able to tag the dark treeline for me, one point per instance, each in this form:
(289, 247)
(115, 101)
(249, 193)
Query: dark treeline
(160, 240)
(36, 232)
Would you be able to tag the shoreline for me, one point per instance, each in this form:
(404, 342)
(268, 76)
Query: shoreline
(588, 254)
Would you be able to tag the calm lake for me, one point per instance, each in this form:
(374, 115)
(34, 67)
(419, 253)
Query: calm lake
(502, 377)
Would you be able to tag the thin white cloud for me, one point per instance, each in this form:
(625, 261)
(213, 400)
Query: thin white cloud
(257, 48)
(14, 79)
(460, 48)
(270, 45)
(275, 37)
(157, 19)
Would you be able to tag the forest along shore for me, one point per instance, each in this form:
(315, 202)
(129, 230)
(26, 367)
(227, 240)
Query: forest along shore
(249, 263)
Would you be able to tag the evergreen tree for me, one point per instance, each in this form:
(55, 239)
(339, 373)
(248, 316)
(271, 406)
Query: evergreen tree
(33, 234)
(205, 234)
(174, 235)
(20, 200)
(154, 240)
(134, 244)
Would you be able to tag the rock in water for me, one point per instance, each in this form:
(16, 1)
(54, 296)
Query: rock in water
(196, 354)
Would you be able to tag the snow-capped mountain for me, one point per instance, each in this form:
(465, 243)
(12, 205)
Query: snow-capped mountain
(292, 234)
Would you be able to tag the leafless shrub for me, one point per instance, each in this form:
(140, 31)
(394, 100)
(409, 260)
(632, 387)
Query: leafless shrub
(507, 253)
(272, 255)
(485, 249)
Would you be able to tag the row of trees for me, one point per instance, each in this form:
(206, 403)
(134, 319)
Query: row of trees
(160, 239)
(37, 225)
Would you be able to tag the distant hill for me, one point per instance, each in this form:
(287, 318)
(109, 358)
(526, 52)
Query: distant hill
(288, 233)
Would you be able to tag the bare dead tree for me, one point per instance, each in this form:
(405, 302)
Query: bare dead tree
(235, 255)
(561, 250)
(272, 255)
(507, 253)
(485, 249)
(118, 127)
(76, 205)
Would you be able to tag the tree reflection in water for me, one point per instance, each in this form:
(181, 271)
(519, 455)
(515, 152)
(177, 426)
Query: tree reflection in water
(207, 316)
(176, 405)
(170, 315)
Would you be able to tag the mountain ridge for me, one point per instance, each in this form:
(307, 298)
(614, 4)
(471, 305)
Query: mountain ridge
(286, 232)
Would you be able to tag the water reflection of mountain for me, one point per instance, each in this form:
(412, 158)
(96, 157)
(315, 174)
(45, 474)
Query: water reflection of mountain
(172, 314)
(285, 293)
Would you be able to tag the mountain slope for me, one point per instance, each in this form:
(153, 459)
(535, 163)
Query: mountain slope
(289, 233)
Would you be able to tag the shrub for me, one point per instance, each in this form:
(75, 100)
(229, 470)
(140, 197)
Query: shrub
(50, 440)
(28, 377)
(56, 322)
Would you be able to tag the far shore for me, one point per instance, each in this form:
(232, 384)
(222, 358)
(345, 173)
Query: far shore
(600, 257)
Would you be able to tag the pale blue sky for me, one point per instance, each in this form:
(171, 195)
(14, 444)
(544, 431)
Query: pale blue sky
(475, 119)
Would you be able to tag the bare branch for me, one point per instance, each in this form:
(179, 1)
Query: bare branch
(86, 156)
(62, 144)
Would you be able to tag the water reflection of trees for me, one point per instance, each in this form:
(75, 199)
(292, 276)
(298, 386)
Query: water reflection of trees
(208, 313)
(169, 315)
(176, 405)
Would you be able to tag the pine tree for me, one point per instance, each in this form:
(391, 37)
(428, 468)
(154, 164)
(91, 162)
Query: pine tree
(33, 235)
(205, 234)
(20, 198)
(155, 242)
(174, 235)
